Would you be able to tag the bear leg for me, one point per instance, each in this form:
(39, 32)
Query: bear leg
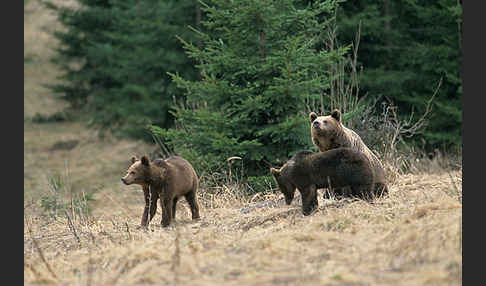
(174, 204)
(150, 206)
(166, 204)
(309, 200)
(363, 192)
(191, 199)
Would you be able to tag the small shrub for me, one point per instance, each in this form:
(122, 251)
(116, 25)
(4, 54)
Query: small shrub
(257, 184)
(56, 202)
(60, 116)
(51, 202)
(54, 205)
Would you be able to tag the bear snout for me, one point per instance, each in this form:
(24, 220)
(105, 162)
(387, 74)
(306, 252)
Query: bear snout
(315, 125)
(124, 181)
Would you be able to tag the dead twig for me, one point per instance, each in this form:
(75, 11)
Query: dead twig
(72, 228)
(405, 127)
(128, 231)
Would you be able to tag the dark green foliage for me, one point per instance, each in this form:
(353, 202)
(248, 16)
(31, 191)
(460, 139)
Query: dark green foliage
(262, 183)
(243, 82)
(116, 55)
(57, 201)
(260, 63)
(406, 47)
(60, 116)
(53, 206)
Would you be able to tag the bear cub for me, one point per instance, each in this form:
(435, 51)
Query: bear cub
(337, 168)
(168, 180)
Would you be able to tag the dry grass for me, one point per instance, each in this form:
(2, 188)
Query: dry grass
(92, 165)
(412, 237)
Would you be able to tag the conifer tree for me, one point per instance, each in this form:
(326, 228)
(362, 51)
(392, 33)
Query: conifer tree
(406, 48)
(261, 67)
(115, 55)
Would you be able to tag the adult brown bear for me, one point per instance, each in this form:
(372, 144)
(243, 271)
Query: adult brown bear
(328, 132)
(308, 171)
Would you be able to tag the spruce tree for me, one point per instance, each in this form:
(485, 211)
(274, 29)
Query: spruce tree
(262, 66)
(115, 55)
(406, 48)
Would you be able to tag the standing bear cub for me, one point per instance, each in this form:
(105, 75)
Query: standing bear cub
(328, 132)
(337, 168)
(168, 180)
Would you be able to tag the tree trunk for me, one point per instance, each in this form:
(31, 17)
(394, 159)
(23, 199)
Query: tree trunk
(262, 44)
(387, 26)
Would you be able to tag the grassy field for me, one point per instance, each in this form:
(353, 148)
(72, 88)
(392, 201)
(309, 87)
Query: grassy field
(411, 237)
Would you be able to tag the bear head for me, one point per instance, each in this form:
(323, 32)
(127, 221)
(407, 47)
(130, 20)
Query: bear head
(287, 188)
(325, 128)
(141, 171)
(137, 172)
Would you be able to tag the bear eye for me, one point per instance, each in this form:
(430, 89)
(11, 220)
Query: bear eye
(325, 121)
(132, 173)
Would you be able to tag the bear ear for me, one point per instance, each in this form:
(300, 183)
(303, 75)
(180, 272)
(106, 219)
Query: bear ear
(133, 159)
(274, 171)
(312, 116)
(336, 114)
(160, 163)
(145, 161)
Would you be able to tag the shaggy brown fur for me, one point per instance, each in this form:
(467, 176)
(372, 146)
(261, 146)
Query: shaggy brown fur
(328, 133)
(337, 168)
(168, 180)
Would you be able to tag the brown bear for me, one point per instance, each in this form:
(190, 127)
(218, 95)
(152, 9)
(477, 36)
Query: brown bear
(168, 180)
(328, 132)
(337, 168)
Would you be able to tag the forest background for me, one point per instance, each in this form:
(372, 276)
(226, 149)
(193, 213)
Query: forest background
(213, 80)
